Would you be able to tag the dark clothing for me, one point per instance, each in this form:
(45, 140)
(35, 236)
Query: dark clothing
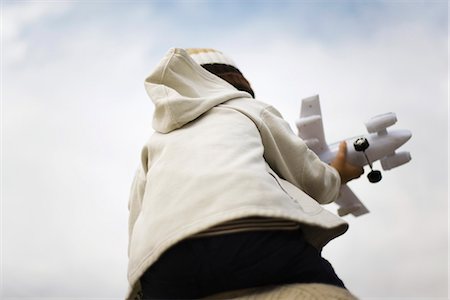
(200, 267)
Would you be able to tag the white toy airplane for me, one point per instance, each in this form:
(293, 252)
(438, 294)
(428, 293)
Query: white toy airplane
(379, 144)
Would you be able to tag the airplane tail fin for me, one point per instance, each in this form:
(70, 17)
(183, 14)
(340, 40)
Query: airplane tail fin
(310, 125)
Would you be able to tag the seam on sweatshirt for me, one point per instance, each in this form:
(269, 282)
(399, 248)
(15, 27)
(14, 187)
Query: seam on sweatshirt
(302, 171)
(302, 175)
(281, 187)
(263, 114)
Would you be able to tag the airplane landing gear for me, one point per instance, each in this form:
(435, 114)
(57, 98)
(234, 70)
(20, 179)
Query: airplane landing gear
(374, 176)
(361, 145)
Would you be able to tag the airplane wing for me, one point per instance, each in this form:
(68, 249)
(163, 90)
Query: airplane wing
(349, 203)
(310, 126)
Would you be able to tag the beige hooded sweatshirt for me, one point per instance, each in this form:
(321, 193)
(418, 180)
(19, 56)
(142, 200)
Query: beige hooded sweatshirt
(217, 155)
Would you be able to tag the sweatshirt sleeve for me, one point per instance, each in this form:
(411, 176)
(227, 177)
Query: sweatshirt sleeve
(292, 160)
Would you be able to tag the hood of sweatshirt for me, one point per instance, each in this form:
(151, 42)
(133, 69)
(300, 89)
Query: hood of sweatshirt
(182, 91)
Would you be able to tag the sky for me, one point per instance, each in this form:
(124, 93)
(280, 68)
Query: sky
(75, 115)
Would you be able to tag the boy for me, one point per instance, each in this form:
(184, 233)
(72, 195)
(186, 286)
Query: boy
(227, 197)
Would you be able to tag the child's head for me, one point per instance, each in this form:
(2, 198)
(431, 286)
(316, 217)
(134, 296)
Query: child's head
(220, 65)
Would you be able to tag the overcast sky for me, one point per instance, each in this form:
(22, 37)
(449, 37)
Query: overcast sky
(75, 116)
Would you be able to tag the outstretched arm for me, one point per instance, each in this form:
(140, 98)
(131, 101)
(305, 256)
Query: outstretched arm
(292, 160)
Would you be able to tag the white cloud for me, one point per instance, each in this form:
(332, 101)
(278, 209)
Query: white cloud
(19, 17)
(69, 155)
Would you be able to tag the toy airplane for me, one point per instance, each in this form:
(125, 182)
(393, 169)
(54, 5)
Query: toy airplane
(379, 144)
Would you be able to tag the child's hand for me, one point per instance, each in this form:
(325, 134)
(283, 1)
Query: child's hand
(345, 170)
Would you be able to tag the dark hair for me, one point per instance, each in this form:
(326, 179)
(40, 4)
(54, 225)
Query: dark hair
(231, 75)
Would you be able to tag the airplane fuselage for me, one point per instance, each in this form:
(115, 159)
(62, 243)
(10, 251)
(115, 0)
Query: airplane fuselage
(381, 145)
